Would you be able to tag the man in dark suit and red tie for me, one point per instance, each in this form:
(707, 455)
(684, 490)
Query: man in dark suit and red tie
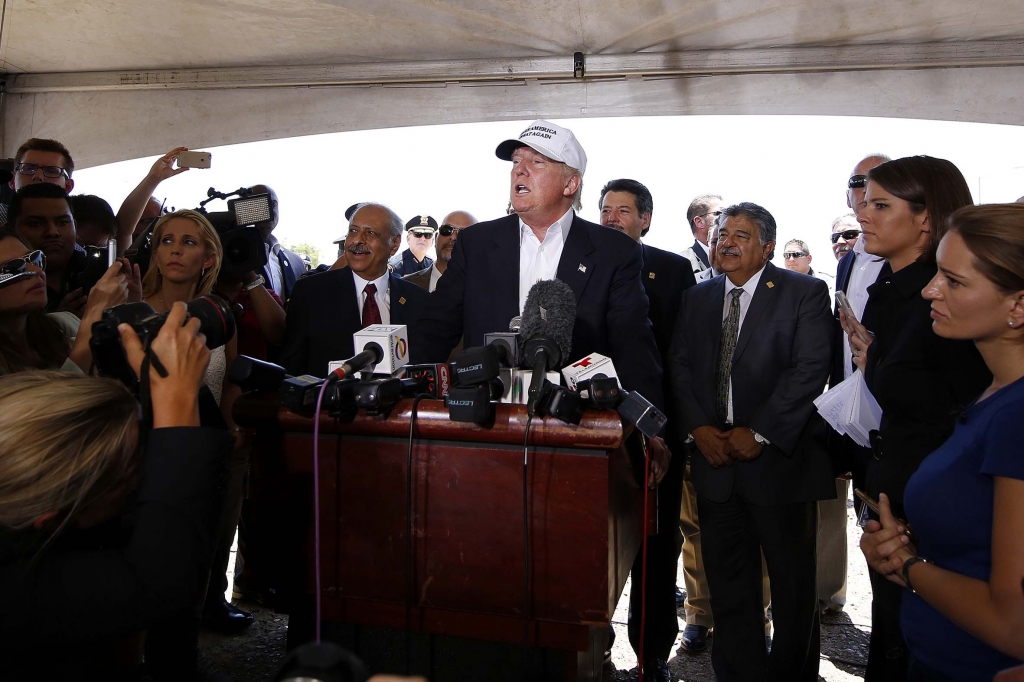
(749, 355)
(495, 263)
(327, 308)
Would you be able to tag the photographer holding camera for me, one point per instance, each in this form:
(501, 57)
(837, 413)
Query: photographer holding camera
(31, 338)
(77, 583)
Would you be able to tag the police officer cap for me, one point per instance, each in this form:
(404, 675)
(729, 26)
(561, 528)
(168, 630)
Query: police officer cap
(421, 222)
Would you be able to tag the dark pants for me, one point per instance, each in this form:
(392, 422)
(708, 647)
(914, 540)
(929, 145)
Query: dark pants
(662, 556)
(918, 672)
(733, 536)
(887, 652)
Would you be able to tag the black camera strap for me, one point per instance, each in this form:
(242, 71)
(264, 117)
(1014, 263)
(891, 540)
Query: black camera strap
(150, 359)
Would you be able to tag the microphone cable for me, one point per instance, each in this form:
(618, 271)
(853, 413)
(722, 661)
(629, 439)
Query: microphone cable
(316, 502)
(410, 586)
(526, 533)
(643, 561)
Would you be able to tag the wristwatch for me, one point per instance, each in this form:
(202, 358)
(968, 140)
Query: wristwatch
(759, 438)
(906, 570)
(255, 283)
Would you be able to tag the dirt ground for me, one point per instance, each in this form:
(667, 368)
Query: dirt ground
(254, 655)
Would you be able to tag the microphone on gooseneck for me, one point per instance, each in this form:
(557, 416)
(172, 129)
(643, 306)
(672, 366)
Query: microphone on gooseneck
(548, 319)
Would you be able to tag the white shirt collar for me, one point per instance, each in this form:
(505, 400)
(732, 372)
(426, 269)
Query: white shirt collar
(381, 282)
(560, 228)
(750, 286)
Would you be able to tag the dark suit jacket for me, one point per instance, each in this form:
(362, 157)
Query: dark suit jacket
(698, 251)
(843, 270)
(780, 366)
(920, 379)
(324, 314)
(665, 276)
(479, 293)
(420, 278)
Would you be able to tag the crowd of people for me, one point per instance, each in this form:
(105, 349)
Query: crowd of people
(115, 532)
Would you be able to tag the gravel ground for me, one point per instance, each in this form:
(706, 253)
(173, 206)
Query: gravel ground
(254, 655)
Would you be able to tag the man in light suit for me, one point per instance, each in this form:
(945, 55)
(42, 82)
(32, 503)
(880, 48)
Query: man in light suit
(327, 308)
(749, 355)
(494, 264)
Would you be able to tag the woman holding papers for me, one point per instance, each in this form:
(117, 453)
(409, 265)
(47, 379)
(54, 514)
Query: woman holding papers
(963, 608)
(920, 380)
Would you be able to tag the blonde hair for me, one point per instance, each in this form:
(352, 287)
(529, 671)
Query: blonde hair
(153, 280)
(65, 441)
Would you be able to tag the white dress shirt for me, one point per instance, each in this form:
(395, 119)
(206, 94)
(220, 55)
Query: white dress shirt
(383, 295)
(274, 268)
(748, 294)
(539, 260)
(435, 275)
(865, 271)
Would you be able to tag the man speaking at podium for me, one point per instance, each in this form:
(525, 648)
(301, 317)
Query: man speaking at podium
(495, 263)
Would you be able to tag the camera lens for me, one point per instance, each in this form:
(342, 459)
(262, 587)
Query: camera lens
(215, 319)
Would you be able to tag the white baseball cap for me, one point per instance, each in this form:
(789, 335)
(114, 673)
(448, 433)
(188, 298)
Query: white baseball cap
(553, 141)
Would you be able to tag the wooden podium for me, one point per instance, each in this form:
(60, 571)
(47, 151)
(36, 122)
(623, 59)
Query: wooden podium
(456, 607)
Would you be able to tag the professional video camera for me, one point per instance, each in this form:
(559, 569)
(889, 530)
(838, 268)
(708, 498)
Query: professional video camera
(240, 238)
(216, 323)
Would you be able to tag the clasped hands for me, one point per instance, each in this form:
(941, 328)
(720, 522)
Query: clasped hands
(720, 448)
(886, 545)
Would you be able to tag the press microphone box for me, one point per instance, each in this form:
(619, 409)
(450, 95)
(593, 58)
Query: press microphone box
(393, 340)
(437, 376)
(587, 368)
(517, 384)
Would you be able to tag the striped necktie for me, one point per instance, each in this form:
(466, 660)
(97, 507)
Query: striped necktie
(730, 329)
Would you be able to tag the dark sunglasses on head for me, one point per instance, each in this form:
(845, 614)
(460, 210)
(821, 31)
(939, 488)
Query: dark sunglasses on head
(793, 255)
(449, 230)
(857, 181)
(15, 268)
(846, 234)
(47, 171)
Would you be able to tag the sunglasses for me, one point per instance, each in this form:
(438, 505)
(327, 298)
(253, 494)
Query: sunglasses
(857, 181)
(449, 230)
(793, 255)
(847, 235)
(16, 267)
(422, 234)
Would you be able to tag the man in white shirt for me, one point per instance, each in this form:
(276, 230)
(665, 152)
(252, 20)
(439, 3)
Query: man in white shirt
(329, 307)
(494, 264)
(749, 355)
(701, 216)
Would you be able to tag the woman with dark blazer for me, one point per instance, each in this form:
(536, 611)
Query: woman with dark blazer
(920, 380)
(963, 605)
(79, 579)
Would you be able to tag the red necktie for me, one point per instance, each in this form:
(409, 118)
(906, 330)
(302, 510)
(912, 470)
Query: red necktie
(371, 313)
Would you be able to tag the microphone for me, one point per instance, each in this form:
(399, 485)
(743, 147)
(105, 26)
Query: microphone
(592, 366)
(393, 340)
(548, 319)
(436, 377)
(515, 324)
(370, 356)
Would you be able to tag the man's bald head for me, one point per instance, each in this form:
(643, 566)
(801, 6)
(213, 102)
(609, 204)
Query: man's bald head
(460, 219)
(855, 195)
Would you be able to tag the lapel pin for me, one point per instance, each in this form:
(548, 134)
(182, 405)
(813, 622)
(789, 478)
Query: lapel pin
(770, 285)
(583, 268)
(402, 300)
(650, 276)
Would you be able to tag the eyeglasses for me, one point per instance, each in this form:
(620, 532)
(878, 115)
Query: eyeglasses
(714, 213)
(48, 171)
(449, 230)
(12, 270)
(846, 235)
(422, 234)
(857, 181)
(793, 255)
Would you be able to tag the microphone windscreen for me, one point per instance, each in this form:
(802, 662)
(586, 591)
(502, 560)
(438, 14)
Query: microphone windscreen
(550, 310)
